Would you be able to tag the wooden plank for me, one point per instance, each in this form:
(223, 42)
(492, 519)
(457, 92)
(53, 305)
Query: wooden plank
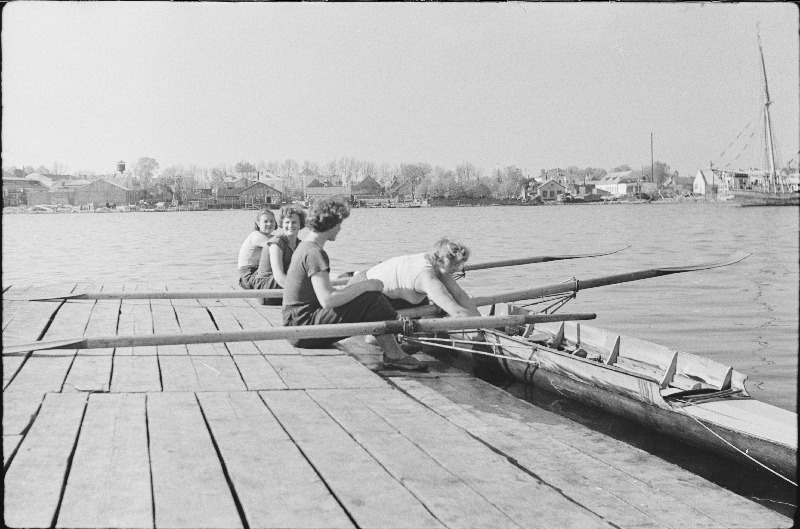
(10, 310)
(250, 319)
(104, 317)
(197, 319)
(70, 321)
(109, 484)
(89, 373)
(550, 462)
(258, 373)
(42, 373)
(135, 374)
(36, 475)
(200, 373)
(681, 495)
(165, 321)
(490, 474)
(450, 499)
(11, 365)
(225, 321)
(189, 487)
(103, 320)
(19, 410)
(30, 322)
(275, 484)
(372, 497)
(135, 319)
(10, 444)
(298, 373)
(218, 373)
(345, 372)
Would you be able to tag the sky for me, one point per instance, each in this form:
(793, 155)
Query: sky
(536, 85)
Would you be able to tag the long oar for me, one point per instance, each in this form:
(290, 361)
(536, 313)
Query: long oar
(531, 260)
(278, 293)
(341, 330)
(576, 285)
(511, 262)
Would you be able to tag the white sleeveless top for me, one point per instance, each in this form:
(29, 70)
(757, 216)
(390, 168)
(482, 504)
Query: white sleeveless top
(399, 275)
(250, 252)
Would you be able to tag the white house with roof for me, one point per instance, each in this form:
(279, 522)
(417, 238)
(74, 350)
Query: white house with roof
(706, 182)
(619, 183)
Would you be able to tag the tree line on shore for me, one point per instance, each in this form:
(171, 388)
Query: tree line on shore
(466, 180)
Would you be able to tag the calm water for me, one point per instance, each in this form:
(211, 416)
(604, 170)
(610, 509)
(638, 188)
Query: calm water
(745, 315)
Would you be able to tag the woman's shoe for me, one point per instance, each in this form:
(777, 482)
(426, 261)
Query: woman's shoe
(408, 363)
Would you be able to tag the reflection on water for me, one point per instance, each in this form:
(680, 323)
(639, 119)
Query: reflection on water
(745, 315)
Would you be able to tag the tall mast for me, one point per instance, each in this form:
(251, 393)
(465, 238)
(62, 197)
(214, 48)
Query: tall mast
(773, 177)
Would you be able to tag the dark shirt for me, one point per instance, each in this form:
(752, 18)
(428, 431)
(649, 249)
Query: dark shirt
(265, 264)
(308, 259)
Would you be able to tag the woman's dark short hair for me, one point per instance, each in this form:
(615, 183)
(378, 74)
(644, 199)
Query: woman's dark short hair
(326, 213)
(291, 209)
(263, 212)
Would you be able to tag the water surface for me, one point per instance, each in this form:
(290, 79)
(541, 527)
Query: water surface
(745, 315)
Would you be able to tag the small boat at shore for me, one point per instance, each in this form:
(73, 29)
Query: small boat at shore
(691, 398)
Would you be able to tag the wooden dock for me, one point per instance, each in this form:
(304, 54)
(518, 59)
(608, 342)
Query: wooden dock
(263, 435)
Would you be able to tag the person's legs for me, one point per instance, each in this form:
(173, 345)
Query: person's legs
(370, 306)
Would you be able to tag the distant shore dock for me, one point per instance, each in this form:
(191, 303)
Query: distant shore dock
(265, 435)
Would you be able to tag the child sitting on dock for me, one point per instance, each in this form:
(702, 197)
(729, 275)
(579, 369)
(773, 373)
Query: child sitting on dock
(251, 250)
(310, 299)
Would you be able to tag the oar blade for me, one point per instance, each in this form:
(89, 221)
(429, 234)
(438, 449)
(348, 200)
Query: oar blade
(535, 259)
(70, 343)
(731, 259)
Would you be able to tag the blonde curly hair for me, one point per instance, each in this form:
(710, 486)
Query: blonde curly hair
(446, 252)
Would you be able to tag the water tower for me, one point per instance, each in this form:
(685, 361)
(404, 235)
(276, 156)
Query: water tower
(121, 167)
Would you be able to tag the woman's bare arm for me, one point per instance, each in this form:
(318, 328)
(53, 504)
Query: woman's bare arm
(329, 297)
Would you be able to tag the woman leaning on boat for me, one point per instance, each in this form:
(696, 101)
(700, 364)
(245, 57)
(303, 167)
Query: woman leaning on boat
(310, 299)
(414, 280)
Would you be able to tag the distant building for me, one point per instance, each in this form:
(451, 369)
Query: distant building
(327, 191)
(706, 183)
(549, 190)
(368, 187)
(619, 183)
(272, 180)
(255, 195)
(20, 191)
(401, 191)
(102, 192)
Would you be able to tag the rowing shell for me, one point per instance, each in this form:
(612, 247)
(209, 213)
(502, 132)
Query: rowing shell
(692, 398)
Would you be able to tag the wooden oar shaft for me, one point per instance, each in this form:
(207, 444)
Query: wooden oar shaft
(278, 293)
(574, 286)
(307, 331)
(531, 260)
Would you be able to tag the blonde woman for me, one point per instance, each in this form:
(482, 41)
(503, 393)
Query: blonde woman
(414, 280)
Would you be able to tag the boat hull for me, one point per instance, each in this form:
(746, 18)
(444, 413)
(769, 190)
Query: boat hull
(756, 198)
(730, 427)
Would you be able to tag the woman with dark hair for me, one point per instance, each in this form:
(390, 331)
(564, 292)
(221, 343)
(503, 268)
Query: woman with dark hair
(414, 280)
(252, 248)
(310, 299)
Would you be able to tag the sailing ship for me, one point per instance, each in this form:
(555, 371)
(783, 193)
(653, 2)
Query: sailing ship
(771, 185)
